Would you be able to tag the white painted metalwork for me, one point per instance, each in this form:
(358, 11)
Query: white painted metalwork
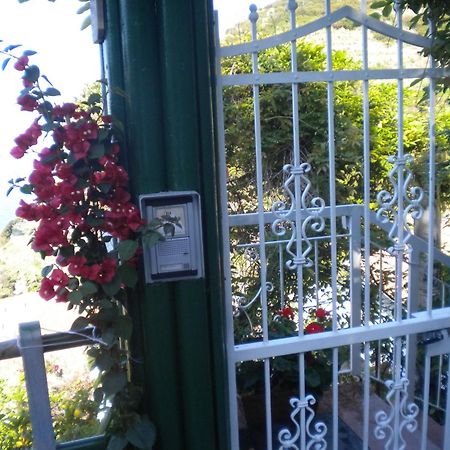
(297, 177)
(403, 416)
(316, 440)
(283, 258)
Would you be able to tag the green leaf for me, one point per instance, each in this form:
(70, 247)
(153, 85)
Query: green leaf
(51, 91)
(169, 228)
(379, 4)
(83, 8)
(151, 238)
(375, 15)
(104, 361)
(47, 80)
(86, 22)
(142, 434)
(416, 81)
(80, 323)
(94, 98)
(66, 251)
(117, 443)
(75, 297)
(46, 270)
(113, 287)
(5, 63)
(113, 382)
(104, 187)
(88, 288)
(8, 48)
(102, 134)
(98, 395)
(312, 377)
(387, 10)
(97, 150)
(32, 73)
(109, 337)
(26, 189)
(127, 249)
(124, 327)
(73, 283)
(128, 275)
(49, 126)
(94, 221)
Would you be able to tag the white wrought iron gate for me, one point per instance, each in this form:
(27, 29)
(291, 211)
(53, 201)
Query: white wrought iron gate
(336, 310)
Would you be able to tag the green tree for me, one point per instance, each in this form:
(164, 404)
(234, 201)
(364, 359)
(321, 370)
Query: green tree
(276, 142)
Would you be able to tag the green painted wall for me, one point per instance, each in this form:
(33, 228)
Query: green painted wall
(159, 53)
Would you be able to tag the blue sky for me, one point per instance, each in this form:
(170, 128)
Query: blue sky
(69, 59)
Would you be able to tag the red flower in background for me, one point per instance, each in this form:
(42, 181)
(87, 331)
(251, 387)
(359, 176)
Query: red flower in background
(314, 327)
(321, 313)
(287, 312)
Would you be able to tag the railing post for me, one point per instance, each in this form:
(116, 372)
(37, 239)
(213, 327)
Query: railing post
(414, 283)
(355, 286)
(30, 344)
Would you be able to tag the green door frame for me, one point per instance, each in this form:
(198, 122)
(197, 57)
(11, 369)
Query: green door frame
(159, 55)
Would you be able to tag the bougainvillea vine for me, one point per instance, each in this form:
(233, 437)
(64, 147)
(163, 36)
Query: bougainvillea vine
(89, 228)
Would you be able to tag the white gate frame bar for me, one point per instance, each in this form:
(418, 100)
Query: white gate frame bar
(232, 388)
(419, 323)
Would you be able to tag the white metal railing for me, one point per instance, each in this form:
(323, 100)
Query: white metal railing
(289, 255)
(31, 346)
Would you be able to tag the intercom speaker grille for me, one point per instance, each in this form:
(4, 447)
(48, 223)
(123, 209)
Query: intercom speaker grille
(174, 247)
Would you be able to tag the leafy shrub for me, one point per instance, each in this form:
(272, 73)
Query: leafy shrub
(74, 413)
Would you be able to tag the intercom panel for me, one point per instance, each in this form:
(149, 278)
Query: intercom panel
(180, 254)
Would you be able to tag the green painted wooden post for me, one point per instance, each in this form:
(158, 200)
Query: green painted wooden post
(184, 168)
(165, 59)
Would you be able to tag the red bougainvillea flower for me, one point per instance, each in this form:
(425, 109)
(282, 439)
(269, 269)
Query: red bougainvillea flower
(314, 327)
(61, 295)
(21, 63)
(26, 140)
(26, 82)
(27, 103)
(63, 111)
(76, 264)
(47, 289)
(27, 212)
(106, 272)
(134, 220)
(48, 235)
(59, 278)
(17, 152)
(287, 312)
(321, 313)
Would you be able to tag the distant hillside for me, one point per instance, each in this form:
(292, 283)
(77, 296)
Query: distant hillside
(20, 266)
(274, 19)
